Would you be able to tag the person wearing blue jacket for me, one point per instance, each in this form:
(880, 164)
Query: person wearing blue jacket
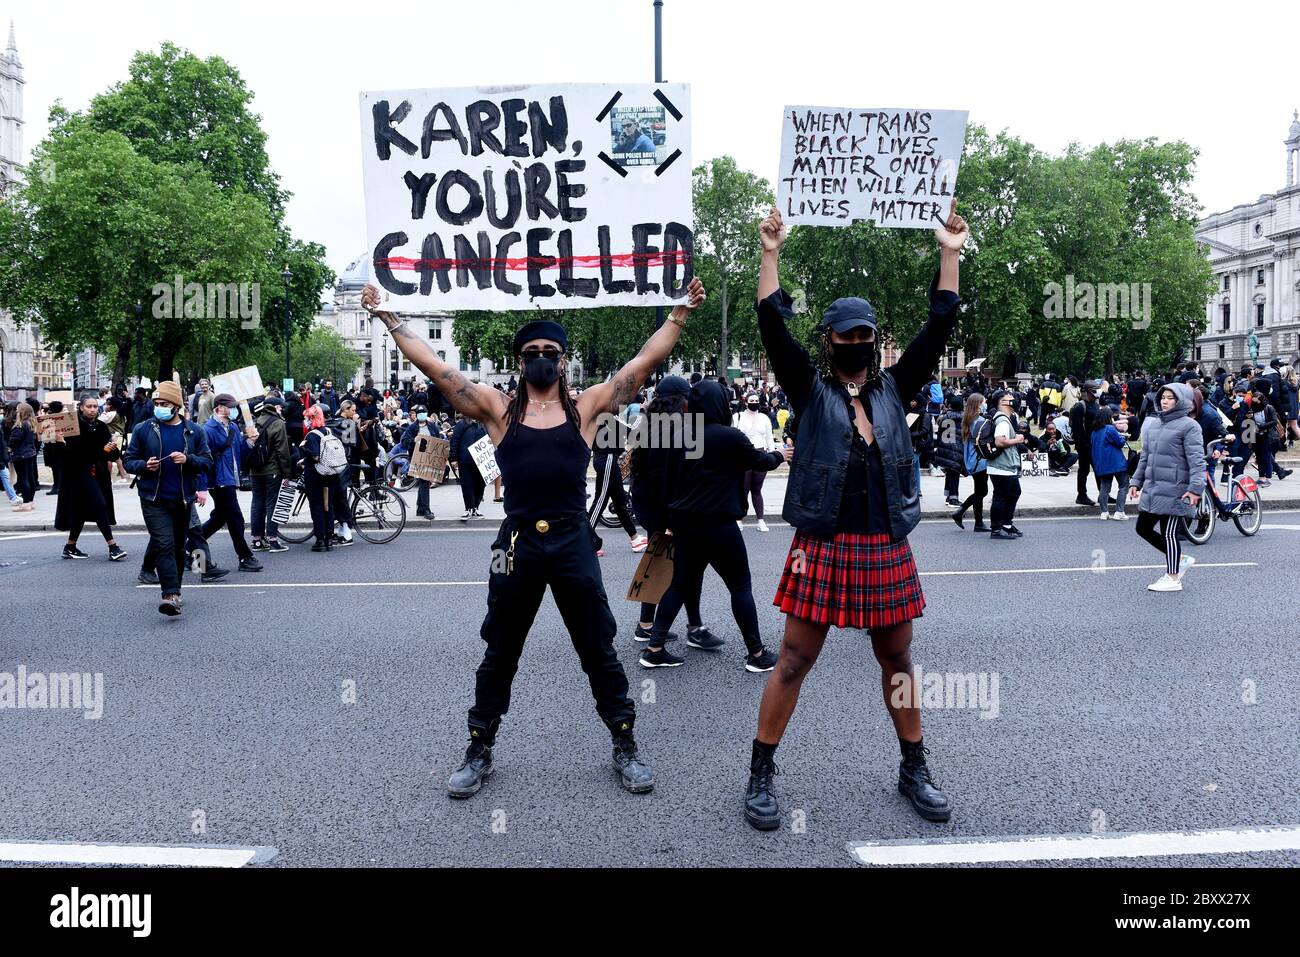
(421, 426)
(167, 455)
(227, 444)
(1110, 461)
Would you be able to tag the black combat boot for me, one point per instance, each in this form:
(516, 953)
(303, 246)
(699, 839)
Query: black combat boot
(761, 809)
(634, 773)
(466, 780)
(915, 783)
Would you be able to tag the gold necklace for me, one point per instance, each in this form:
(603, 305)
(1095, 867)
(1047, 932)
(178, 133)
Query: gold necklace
(543, 404)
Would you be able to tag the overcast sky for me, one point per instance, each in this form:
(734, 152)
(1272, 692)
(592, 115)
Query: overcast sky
(1221, 77)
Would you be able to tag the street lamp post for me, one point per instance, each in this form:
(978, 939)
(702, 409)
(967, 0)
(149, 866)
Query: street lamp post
(286, 275)
(139, 343)
(659, 78)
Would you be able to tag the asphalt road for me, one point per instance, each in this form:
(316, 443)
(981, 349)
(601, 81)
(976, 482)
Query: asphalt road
(228, 726)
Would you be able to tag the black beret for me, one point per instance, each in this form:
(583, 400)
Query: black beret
(541, 329)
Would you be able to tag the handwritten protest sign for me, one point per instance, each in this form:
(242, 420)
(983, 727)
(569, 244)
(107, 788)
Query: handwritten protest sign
(892, 167)
(243, 384)
(53, 424)
(485, 457)
(529, 197)
(654, 573)
(429, 458)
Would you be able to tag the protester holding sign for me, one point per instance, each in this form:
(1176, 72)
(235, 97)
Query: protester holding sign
(86, 493)
(706, 498)
(543, 440)
(650, 467)
(853, 499)
(228, 445)
(464, 437)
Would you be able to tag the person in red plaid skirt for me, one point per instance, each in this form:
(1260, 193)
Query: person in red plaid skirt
(852, 497)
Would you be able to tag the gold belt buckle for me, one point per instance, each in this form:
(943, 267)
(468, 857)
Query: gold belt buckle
(543, 526)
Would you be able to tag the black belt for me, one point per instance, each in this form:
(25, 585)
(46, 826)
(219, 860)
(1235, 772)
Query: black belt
(544, 525)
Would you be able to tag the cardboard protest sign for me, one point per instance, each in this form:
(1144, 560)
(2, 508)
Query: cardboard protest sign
(655, 571)
(429, 458)
(64, 396)
(485, 457)
(893, 167)
(53, 424)
(243, 384)
(556, 196)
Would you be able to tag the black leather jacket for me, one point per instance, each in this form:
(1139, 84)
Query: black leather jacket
(824, 407)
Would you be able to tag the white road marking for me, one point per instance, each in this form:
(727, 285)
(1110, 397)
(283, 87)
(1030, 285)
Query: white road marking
(1076, 847)
(1289, 528)
(1084, 568)
(138, 855)
(346, 584)
(984, 571)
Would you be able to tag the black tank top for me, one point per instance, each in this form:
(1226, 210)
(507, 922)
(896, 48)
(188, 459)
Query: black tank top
(544, 471)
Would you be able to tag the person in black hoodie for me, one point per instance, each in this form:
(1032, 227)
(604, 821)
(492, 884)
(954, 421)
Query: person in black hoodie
(650, 466)
(706, 498)
(1083, 417)
(86, 492)
(948, 452)
(472, 486)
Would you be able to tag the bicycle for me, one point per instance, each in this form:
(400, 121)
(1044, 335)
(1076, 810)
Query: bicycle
(377, 513)
(1244, 507)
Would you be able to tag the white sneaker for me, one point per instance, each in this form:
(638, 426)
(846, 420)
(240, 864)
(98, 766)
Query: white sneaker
(1120, 517)
(1184, 563)
(1104, 516)
(762, 525)
(1165, 583)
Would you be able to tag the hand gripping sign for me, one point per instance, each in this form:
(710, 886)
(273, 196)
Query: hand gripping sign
(556, 196)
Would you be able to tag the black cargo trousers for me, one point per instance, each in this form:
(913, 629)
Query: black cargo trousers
(525, 560)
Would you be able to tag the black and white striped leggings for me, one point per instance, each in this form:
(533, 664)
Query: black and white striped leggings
(1162, 532)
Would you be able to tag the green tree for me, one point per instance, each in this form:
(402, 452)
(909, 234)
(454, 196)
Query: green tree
(320, 354)
(729, 204)
(97, 227)
(194, 115)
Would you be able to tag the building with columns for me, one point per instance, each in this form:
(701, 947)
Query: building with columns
(17, 343)
(1255, 251)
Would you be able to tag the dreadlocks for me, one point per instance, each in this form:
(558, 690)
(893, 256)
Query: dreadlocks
(826, 362)
(519, 404)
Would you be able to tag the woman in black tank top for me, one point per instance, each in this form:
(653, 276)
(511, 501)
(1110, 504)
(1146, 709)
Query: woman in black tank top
(543, 442)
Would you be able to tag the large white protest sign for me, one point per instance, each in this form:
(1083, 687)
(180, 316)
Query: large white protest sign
(529, 197)
(891, 167)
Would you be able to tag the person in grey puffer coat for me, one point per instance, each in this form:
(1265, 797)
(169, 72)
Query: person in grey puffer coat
(1171, 479)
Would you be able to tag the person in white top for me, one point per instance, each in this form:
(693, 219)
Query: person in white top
(758, 427)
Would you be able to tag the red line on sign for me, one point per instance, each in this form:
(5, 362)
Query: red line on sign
(617, 261)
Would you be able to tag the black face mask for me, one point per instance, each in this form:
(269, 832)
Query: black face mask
(541, 370)
(852, 357)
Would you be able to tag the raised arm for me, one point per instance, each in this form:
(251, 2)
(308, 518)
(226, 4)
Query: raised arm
(474, 399)
(622, 389)
(922, 355)
(790, 363)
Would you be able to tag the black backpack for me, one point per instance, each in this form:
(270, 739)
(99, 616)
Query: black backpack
(259, 456)
(983, 441)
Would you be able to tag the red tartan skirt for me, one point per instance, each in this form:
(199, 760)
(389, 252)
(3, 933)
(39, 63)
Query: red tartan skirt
(850, 581)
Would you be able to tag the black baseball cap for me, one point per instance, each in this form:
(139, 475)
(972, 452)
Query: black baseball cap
(849, 313)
